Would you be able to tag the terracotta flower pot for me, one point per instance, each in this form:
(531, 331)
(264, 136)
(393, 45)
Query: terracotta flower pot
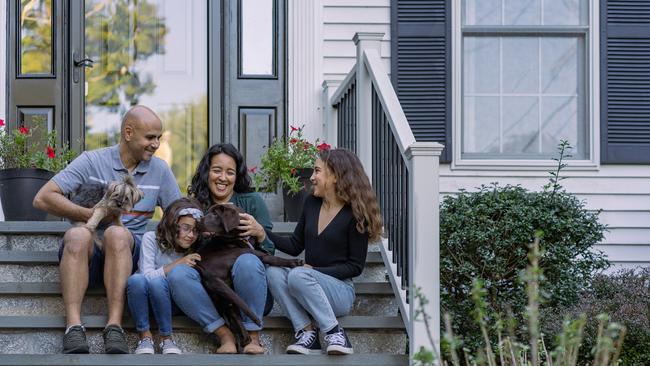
(17, 190)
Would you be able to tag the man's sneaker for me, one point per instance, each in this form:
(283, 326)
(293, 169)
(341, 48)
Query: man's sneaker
(145, 347)
(115, 340)
(338, 343)
(307, 343)
(74, 340)
(169, 347)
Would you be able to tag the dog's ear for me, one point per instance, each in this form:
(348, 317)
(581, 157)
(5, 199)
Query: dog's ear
(229, 217)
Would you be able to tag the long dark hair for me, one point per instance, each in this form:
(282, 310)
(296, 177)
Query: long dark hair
(199, 186)
(167, 230)
(353, 187)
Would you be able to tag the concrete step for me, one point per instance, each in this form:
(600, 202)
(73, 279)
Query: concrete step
(204, 360)
(43, 334)
(42, 266)
(43, 298)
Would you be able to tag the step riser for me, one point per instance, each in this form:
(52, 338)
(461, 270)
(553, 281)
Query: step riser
(50, 342)
(365, 305)
(50, 273)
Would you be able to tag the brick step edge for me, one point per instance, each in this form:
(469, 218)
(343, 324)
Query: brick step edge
(43, 322)
(204, 360)
(51, 257)
(54, 288)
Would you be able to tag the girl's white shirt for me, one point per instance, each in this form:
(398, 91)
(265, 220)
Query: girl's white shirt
(152, 259)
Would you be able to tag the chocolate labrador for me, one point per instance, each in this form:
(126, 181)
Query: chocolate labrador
(220, 246)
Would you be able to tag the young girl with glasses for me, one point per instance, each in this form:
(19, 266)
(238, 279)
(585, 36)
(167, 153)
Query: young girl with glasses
(161, 251)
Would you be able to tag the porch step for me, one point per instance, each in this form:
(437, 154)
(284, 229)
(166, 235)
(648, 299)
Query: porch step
(44, 298)
(203, 360)
(43, 334)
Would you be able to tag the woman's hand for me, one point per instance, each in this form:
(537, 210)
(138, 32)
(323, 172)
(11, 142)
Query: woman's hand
(250, 227)
(307, 266)
(189, 259)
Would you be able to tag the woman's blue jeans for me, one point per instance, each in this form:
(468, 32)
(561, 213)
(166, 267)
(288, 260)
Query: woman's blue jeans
(302, 292)
(141, 292)
(249, 282)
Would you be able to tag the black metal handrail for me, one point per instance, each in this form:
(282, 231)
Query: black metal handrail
(390, 179)
(346, 111)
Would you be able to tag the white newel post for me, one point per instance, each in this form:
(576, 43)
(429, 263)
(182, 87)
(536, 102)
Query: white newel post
(424, 240)
(365, 41)
(330, 118)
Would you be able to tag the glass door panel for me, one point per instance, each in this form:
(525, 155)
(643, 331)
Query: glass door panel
(153, 53)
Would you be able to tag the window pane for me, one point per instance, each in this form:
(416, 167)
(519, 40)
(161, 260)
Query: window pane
(257, 37)
(481, 65)
(36, 37)
(560, 58)
(520, 65)
(520, 125)
(560, 121)
(151, 53)
(565, 12)
(522, 12)
(481, 132)
(482, 12)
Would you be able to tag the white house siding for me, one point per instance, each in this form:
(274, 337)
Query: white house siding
(320, 48)
(622, 192)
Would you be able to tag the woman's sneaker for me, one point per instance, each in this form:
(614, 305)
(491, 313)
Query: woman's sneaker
(338, 343)
(145, 347)
(169, 347)
(307, 343)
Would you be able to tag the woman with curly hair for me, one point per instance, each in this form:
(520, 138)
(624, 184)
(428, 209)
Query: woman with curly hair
(222, 177)
(337, 221)
(162, 251)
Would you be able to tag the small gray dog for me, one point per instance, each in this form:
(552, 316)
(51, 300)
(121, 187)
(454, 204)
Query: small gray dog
(108, 202)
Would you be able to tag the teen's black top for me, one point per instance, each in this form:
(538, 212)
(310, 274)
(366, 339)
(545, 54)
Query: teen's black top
(339, 251)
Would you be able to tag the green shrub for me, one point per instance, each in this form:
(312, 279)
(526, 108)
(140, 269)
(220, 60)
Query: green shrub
(625, 296)
(485, 234)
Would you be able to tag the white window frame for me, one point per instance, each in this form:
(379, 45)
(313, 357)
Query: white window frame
(592, 109)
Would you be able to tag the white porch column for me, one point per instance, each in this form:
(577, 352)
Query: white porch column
(365, 41)
(330, 119)
(424, 240)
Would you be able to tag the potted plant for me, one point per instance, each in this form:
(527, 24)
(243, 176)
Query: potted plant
(26, 164)
(288, 162)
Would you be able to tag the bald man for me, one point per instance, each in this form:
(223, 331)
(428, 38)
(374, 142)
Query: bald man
(81, 262)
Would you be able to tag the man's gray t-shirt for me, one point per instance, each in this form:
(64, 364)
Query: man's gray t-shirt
(103, 166)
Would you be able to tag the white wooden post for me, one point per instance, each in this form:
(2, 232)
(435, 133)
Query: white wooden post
(364, 97)
(330, 119)
(424, 241)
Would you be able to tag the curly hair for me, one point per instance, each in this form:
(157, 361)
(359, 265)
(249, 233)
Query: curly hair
(167, 230)
(353, 187)
(199, 187)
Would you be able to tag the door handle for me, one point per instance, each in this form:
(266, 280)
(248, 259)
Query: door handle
(78, 63)
(86, 62)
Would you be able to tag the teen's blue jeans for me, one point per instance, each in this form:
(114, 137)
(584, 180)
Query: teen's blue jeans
(303, 291)
(249, 282)
(141, 292)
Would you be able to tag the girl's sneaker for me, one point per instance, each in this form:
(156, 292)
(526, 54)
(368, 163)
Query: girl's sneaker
(145, 347)
(169, 347)
(338, 343)
(307, 343)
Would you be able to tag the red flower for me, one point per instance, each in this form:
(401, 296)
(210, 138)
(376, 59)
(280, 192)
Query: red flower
(50, 152)
(293, 140)
(24, 130)
(323, 146)
(253, 169)
(2, 122)
(293, 129)
(293, 171)
(307, 145)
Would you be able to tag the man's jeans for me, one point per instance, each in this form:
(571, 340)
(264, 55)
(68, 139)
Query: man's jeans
(141, 292)
(302, 292)
(249, 280)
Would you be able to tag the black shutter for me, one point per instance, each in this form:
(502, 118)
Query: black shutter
(420, 67)
(625, 81)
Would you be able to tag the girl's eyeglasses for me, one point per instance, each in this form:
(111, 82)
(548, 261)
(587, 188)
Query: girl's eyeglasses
(186, 229)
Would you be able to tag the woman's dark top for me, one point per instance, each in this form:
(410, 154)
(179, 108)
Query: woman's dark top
(339, 251)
